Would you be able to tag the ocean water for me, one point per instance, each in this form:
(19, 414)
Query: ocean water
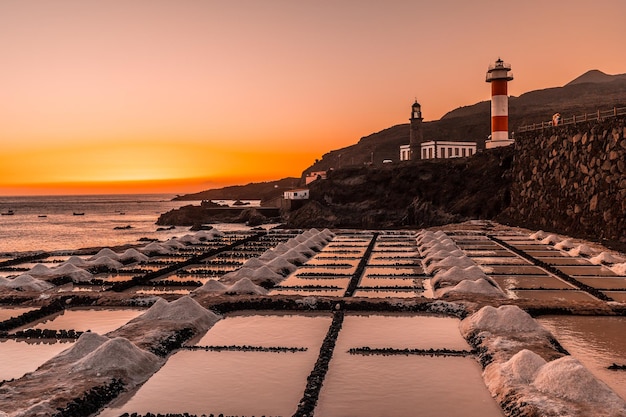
(48, 223)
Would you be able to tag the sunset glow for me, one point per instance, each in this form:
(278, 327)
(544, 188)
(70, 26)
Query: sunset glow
(182, 96)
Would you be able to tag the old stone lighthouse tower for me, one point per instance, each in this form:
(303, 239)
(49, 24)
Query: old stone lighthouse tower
(416, 134)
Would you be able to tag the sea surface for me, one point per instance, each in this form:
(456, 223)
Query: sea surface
(56, 223)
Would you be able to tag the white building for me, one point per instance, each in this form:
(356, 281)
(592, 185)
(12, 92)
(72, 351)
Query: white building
(405, 152)
(439, 149)
(297, 194)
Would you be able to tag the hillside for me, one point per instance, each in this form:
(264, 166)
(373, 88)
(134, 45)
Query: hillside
(264, 191)
(591, 91)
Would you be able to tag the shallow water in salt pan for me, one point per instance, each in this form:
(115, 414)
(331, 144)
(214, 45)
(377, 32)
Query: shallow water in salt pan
(379, 386)
(236, 382)
(7, 313)
(20, 357)
(596, 341)
(233, 383)
(99, 321)
(400, 331)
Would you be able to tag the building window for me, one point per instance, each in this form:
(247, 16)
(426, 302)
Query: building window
(430, 153)
(424, 154)
(449, 152)
(464, 152)
(443, 152)
(471, 151)
(456, 151)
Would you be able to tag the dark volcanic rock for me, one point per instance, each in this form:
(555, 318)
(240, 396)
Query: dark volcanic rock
(412, 193)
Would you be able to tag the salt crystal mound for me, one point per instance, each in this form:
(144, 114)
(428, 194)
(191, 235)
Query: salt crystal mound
(86, 343)
(300, 238)
(65, 270)
(328, 234)
(68, 270)
(184, 311)
(25, 282)
(282, 248)
(156, 249)
(253, 263)
(39, 270)
(294, 257)
(550, 240)
(523, 366)
(567, 378)
(509, 320)
(204, 235)
(133, 255)
(189, 239)
(467, 287)
(105, 252)
(581, 250)
(441, 254)
(565, 244)
(619, 269)
(245, 286)
(77, 261)
(605, 258)
(449, 262)
(105, 261)
(119, 357)
(455, 275)
(268, 255)
(281, 266)
(172, 244)
(538, 235)
(256, 275)
(213, 286)
(304, 250)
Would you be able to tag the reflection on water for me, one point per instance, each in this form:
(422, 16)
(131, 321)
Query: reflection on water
(99, 321)
(233, 383)
(380, 386)
(21, 357)
(596, 341)
(400, 331)
(269, 330)
(236, 382)
(8, 312)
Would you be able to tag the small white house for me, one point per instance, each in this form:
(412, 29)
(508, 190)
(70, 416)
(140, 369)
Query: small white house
(298, 194)
(436, 149)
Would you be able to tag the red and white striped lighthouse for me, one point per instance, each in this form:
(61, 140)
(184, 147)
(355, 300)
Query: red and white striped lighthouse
(499, 75)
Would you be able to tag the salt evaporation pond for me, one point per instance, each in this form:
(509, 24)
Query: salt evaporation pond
(400, 331)
(393, 385)
(21, 357)
(398, 385)
(99, 321)
(7, 313)
(596, 341)
(235, 382)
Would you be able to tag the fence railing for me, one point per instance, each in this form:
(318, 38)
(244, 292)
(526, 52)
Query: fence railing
(598, 115)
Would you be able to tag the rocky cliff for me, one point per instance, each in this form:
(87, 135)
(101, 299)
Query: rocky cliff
(410, 194)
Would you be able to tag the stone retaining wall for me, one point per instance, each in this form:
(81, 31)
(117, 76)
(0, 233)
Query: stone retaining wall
(572, 179)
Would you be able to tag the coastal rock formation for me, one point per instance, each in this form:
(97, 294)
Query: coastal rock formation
(413, 193)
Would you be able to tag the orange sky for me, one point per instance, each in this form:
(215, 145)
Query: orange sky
(180, 96)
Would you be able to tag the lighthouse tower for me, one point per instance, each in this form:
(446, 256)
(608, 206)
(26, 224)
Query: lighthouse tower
(416, 136)
(499, 75)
